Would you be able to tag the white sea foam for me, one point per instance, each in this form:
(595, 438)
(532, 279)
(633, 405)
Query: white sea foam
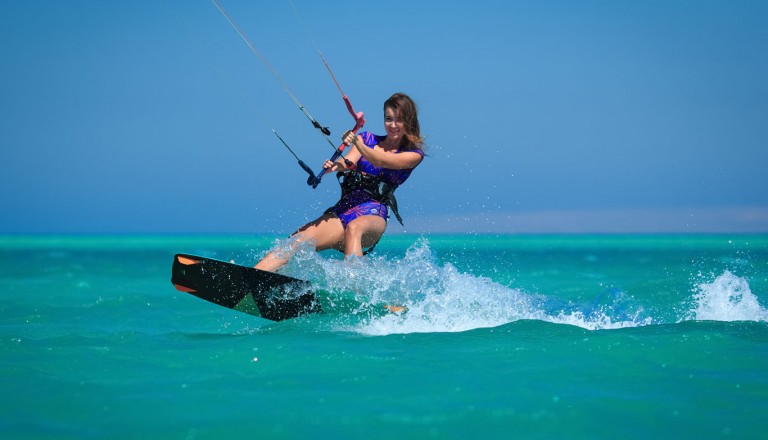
(599, 320)
(727, 298)
(440, 298)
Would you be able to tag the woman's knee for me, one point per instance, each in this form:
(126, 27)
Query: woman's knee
(358, 227)
(363, 228)
(353, 228)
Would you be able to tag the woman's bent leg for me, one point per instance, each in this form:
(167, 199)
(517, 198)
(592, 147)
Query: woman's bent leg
(326, 232)
(362, 232)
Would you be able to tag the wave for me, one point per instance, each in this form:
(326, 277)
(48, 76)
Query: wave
(439, 298)
(727, 298)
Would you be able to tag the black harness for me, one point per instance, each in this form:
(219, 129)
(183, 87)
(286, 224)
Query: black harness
(381, 191)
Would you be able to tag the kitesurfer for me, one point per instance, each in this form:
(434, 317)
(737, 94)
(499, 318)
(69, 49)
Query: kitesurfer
(369, 175)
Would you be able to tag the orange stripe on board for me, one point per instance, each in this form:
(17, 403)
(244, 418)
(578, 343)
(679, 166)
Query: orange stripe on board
(186, 261)
(184, 288)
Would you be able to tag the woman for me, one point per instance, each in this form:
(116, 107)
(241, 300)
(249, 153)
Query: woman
(373, 168)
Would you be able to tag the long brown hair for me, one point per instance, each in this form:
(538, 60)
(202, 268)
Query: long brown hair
(407, 112)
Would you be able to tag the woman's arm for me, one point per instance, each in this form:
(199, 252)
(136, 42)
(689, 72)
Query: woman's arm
(401, 161)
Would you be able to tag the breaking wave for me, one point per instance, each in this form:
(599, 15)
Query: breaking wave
(418, 294)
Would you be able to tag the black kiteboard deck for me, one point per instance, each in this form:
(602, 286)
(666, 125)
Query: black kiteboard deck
(269, 295)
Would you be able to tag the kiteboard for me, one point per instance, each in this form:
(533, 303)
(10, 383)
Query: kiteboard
(266, 294)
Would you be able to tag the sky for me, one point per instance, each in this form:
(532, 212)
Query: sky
(548, 116)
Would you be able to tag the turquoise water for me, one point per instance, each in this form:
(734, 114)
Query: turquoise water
(504, 337)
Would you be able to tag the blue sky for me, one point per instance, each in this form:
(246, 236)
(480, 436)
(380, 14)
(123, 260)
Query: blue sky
(540, 116)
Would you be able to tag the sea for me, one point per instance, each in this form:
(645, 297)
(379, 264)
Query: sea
(501, 337)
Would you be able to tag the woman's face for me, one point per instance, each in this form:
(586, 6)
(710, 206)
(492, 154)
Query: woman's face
(393, 124)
